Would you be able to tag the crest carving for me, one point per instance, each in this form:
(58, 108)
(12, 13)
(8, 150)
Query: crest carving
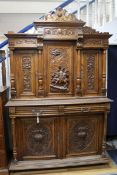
(61, 15)
(89, 30)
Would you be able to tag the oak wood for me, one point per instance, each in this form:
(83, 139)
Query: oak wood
(58, 107)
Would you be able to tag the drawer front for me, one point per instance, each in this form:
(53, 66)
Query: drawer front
(29, 111)
(57, 110)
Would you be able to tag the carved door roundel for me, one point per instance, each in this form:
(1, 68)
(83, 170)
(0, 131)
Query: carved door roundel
(38, 138)
(81, 134)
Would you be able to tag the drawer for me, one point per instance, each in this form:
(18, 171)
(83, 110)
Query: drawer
(44, 111)
(86, 108)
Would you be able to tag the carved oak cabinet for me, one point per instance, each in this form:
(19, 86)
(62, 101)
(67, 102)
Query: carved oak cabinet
(58, 105)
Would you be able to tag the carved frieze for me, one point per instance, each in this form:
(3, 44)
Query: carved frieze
(26, 67)
(93, 42)
(22, 42)
(63, 33)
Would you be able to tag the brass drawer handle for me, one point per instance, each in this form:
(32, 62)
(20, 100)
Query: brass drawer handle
(37, 113)
(85, 109)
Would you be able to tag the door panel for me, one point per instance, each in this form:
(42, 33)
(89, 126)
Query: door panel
(36, 140)
(59, 69)
(26, 68)
(83, 135)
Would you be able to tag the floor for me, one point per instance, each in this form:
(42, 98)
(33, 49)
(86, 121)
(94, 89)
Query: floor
(107, 169)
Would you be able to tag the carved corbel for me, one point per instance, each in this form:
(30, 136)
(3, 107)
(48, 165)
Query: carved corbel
(78, 86)
(79, 43)
(40, 85)
(12, 110)
(40, 42)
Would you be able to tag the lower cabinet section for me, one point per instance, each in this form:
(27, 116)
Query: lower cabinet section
(51, 136)
(59, 137)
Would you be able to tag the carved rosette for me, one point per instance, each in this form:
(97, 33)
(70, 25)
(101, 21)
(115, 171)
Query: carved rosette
(59, 70)
(91, 72)
(81, 135)
(26, 67)
(38, 138)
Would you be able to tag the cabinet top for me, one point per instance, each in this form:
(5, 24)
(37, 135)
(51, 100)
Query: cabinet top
(50, 102)
(60, 25)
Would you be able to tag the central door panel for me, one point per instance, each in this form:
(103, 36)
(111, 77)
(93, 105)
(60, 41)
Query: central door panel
(59, 69)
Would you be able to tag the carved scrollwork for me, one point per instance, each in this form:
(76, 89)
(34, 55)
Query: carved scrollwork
(26, 66)
(90, 72)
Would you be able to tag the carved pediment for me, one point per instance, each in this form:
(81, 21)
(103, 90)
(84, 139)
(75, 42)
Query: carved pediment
(61, 15)
(89, 30)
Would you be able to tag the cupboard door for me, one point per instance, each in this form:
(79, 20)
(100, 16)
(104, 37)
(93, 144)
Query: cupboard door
(84, 135)
(26, 65)
(59, 69)
(36, 140)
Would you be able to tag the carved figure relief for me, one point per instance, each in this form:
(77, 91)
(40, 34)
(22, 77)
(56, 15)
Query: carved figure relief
(60, 79)
(26, 66)
(59, 70)
(81, 134)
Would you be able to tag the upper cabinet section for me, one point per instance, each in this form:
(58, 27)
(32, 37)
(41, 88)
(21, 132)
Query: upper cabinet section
(63, 57)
